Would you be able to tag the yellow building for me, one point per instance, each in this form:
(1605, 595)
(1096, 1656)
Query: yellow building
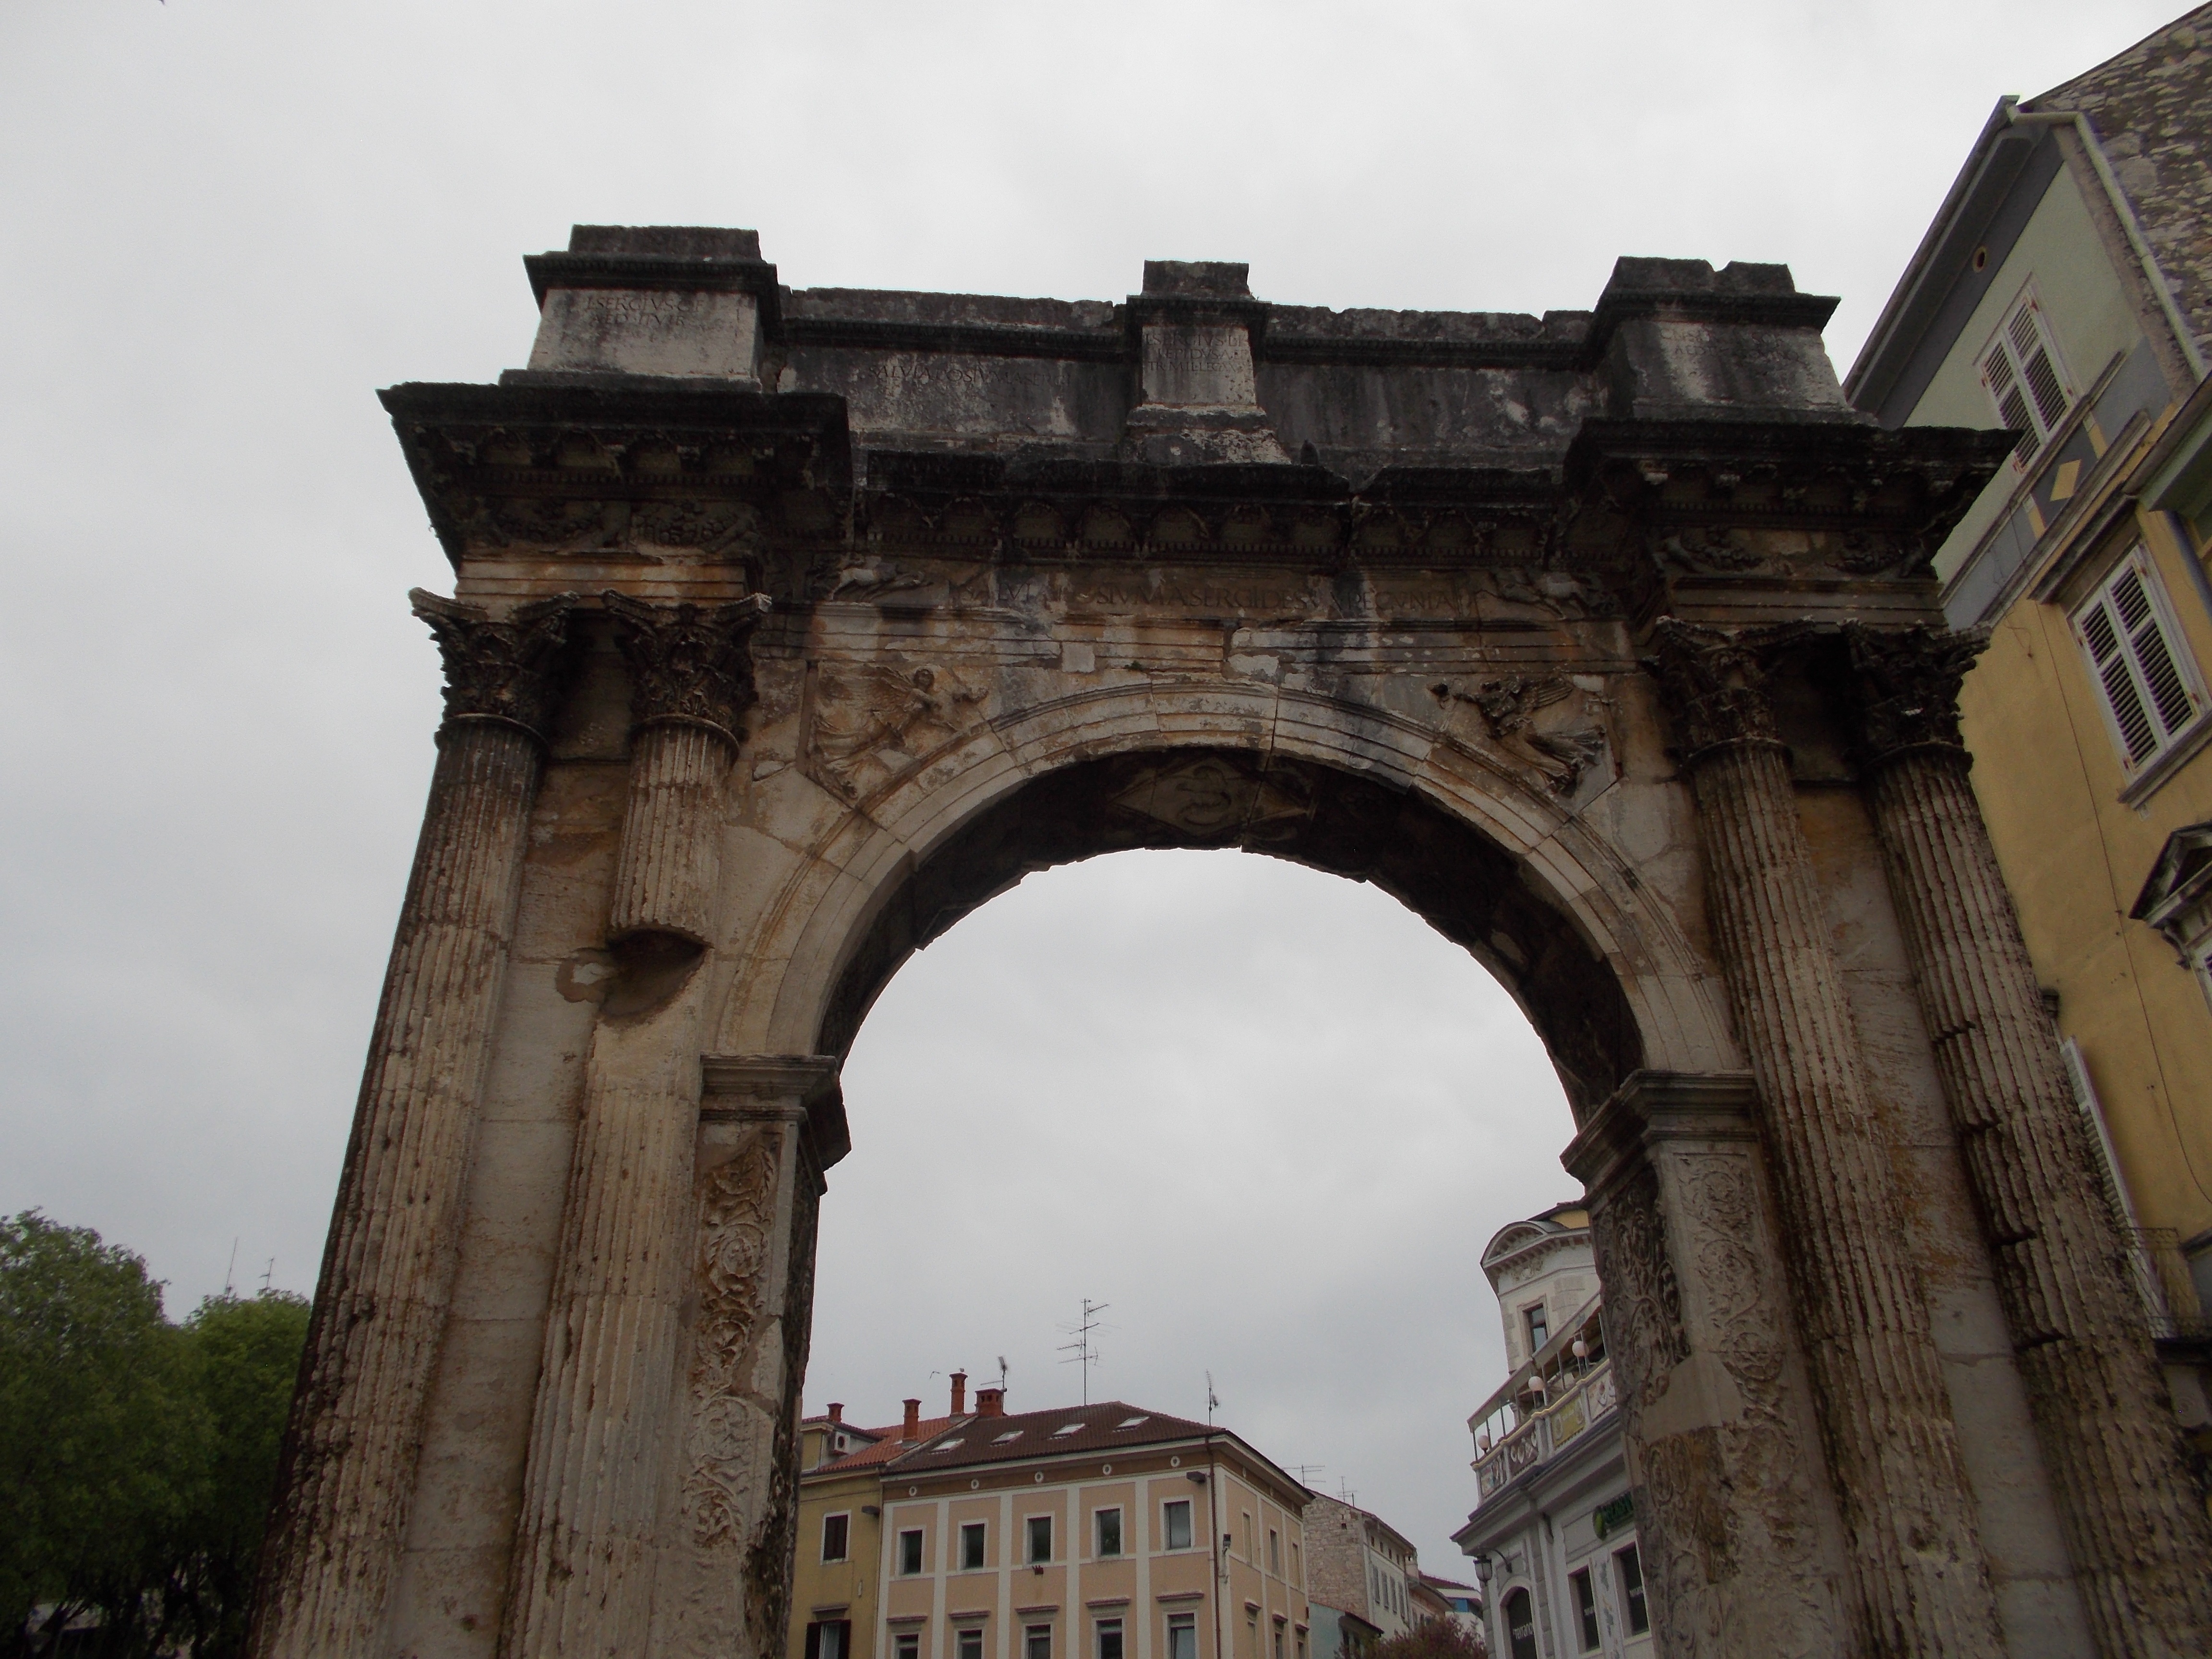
(1092, 1532)
(2064, 290)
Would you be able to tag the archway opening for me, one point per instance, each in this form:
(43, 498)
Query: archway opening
(1270, 1117)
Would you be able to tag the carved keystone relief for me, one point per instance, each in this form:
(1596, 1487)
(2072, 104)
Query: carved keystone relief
(737, 1216)
(1210, 797)
(1549, 722)
(871, 723)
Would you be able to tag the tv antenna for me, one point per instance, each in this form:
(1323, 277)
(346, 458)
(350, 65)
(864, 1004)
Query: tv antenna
(1002, 1375)
(230, 1273)
(269, 1276)
(1082, 1352)
(1212, 1404)
(1306, 1472)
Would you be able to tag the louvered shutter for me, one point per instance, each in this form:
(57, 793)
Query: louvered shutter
(2021, 373)
(2148, 694)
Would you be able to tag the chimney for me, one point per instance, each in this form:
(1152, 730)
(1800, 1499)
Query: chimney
(912, 1431)
(990, 1402)
(959, 1392)
(837, 1411)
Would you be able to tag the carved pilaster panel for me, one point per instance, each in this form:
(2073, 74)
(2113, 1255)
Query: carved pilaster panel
(766, 1125)
(1742, 1555)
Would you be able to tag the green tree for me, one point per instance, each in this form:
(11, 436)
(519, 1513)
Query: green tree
(137, 1459)
(245, 1354)
(1433, 1638)
(101, 1437)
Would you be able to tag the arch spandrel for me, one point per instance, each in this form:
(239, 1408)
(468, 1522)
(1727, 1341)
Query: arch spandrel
(787, 977)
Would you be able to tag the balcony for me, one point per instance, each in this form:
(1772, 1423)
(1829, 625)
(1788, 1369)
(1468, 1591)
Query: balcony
(1547, 1406)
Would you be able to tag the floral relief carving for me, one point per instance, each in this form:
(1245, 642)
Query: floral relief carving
(1905, 684)
(1640, 1288)
(1715, 681)
(689, 662)
(500, 669)
(736, 1217)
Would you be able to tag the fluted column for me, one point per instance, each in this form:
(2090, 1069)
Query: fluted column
(582, 1580)
(387, 1276)
(691, 672)
(2141, 1545)
(1922, 1584)
(1742, 1555)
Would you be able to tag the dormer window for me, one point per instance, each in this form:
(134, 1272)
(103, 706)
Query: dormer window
(1066, 1429)
(1010, 1434)
(1540, 1330)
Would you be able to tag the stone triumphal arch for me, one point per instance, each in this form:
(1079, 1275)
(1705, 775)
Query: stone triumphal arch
(789, 626)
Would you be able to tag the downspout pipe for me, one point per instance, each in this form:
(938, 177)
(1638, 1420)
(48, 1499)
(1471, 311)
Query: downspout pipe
(2123, 210)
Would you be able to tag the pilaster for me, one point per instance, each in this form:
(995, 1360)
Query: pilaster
(1922, 1584)
(356, 1426)
(2139, 1540)
(768, 1127)
(1742, 1550)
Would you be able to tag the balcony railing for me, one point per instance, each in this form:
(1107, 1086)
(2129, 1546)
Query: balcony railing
(1582, 1400)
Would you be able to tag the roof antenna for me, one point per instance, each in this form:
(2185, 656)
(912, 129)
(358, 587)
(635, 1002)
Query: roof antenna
(1002, 1375)
(1080, 1352)
(231, 1272)
(268, 1276)
(1211, 1404)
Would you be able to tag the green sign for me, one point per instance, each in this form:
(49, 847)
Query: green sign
(1611, 1517)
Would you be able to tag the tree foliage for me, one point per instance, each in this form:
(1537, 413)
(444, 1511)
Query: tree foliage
(1433, 1638)
(138, 1458)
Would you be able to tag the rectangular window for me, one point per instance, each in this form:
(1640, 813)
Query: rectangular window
(971, 1547)
(2021, 372)
(971, 1644)
(835, 1529)
(1176, 1517)
(1631, 1590)
(1037, 1641)
(908, 1645)
(1302, 1644)
(910, 1551)
(1252, 1634)
(2136, 656)
(1109, 1639)
(1539, 1329)
(1585, 1609)
(1182, 1632)
(1279, 1642)
(829, 1638)
(1274, 1552)
(1109, 1531)
(1250, 1554)
(1040, 1538)
(1298, 1566)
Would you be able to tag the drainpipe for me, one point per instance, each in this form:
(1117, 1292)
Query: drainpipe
(2123, 211)
(1214, 1540)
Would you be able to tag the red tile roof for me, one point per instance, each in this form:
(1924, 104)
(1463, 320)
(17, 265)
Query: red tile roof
(1102, 1427)
(888, 1446)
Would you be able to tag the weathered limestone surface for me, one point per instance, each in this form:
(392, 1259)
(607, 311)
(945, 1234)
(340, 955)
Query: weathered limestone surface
(2140, 1546)
(1923, 1585)
(890, 598)
(356, 1428)
(1715, 1396)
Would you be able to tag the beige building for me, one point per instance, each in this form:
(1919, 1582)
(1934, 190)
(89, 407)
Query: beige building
(1091, 1532)
(2064, 290)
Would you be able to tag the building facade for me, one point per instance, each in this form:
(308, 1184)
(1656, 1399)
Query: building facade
(1094, 1532)
(1553, 1534)
(1363, 1574)
(2064, 291)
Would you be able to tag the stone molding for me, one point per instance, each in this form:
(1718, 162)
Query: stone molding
(805, 1089)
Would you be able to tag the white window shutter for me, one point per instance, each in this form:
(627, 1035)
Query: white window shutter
(2150, 694)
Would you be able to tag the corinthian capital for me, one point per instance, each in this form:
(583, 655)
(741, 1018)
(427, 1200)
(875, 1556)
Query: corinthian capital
(689, 662)
(498, 669)
(1715, 682)
(1904, 685)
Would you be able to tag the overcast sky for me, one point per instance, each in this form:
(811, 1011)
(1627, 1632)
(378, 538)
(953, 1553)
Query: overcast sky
(1263, 1114)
